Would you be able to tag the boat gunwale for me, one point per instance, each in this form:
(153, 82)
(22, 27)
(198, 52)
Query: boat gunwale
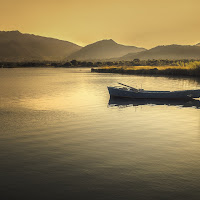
(153, 91)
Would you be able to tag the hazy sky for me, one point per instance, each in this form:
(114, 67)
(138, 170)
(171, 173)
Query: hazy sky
(144, 23)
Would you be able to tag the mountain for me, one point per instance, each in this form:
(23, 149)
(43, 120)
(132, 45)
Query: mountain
(166, 52)
(198, 44)
(15, 46)
(104, 49)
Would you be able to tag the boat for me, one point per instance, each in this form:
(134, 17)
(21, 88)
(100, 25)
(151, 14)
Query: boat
(126, 91)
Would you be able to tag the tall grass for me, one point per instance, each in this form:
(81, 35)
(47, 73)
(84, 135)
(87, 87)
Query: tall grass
(188, 69)
(193, 65)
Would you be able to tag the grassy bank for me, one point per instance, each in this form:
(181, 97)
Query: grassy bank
(184, 69)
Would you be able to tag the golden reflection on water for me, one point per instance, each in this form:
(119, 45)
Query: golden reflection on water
(57, 126)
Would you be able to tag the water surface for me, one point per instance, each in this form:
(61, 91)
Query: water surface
(61, 137)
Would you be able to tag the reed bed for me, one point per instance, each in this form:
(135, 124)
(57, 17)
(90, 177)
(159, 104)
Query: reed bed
(188, 69)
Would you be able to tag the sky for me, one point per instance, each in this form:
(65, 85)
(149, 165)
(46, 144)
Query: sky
(142, 23)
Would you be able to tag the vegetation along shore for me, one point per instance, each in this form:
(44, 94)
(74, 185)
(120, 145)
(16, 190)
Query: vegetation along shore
(156, 67)
(141, 67)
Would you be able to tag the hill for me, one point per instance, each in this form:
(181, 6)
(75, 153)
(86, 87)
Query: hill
(15, 46)
(102, 50)
(166, 52)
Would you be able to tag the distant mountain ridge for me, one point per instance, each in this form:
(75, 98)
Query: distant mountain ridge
(104, 49)
(16, 46)
(166, 52)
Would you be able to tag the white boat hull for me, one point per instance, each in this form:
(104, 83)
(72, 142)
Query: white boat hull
(144, 94)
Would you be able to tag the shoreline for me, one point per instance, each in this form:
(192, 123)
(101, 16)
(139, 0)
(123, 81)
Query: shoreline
(152, 72)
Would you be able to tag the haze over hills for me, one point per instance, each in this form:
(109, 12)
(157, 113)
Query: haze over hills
(166, 52)
(102, 50)
(15, 46)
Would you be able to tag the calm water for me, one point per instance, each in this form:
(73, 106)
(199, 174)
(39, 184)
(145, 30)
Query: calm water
(61, 138)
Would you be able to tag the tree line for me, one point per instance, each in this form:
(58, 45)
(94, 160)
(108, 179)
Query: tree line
(76, 63)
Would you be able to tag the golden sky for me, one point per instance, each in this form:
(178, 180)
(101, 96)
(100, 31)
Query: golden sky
(144, 23)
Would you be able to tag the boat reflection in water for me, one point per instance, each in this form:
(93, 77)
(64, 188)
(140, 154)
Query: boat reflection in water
(125, 102)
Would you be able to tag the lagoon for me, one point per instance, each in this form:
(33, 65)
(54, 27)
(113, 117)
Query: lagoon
(61, 137)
